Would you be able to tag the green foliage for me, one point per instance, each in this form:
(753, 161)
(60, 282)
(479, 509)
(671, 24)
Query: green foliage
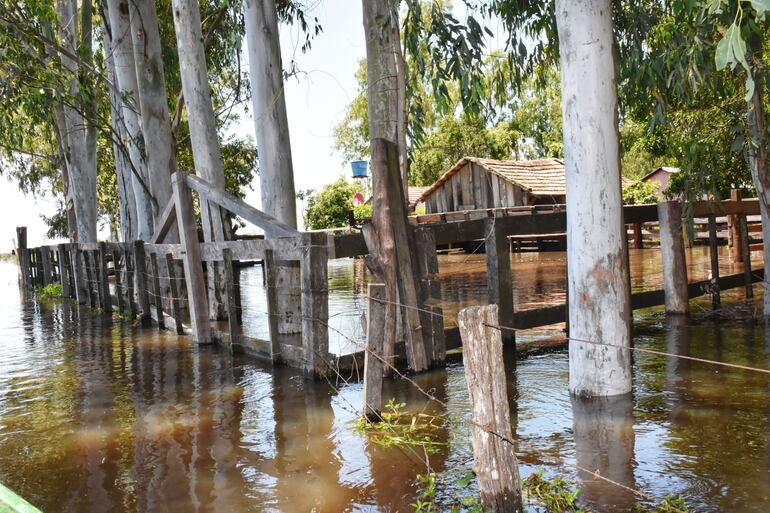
(332, 207)
(459, 502)
(351, 136)
(399, 429)
(537, 117)
(51, 291)
(555, 495)
(640, 193)
(362, 214)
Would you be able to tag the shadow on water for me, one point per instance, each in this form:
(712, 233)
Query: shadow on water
(96, 415)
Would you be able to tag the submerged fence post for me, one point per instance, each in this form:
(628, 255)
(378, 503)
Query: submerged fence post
(675, 292)
(373, 356)
(495, 463)
(431, 312)
(77, 273)
(271, 293)
(22, 254)
(714, 251)
(140, 270)
(104, 286)
(499, 279)
(156, 290)
(746, 255)
(116, 256)
(175, 294)
(193, 267)
(315, 304)
(45, 259)
(232, 311)
(64, 275)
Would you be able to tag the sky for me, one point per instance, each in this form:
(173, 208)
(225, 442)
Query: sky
(315, 101)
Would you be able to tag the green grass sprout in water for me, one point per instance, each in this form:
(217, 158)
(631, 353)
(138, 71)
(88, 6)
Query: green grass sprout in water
(51, 291)
(398, 428)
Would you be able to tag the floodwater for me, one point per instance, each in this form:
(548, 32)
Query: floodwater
(99, 416)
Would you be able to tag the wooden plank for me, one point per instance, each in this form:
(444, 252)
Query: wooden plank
(117, 256)
(456, 192)
(510, 194)
(714, 252)
(142, 291)
(232, 311)
(374, 356)
(45, 258)
(240, 208)
(748, 206)
(22, 255)
(745, 255)
(496, 198)
(431, 312)
(289, 248)
(89, 279)
(156, 290)
(64, 275)
(176, 299)
(78, 274)
(673, 257)
(166, 221)
(315, 306)
(499, 279)
(495, 464)
(193, 267)
(104, 285)
(130, 298)
(271, 293)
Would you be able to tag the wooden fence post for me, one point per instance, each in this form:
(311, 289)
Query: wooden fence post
(89, 279)
(675, 292)
(271, 293)
(45, 259)
(374, 355)
(638, 236)
(156, 290)
(77, 274)
(193, 267)
(431, 313)
(175, 297)
(734, 230)
(746, 255)
(232, 311)
(22, 255)
(140, 269)
(495, 463)
(130, 297)
(315, 304)
(499, 279)
(64, 275)
(714, 251)
(104, 285)
(116, 256)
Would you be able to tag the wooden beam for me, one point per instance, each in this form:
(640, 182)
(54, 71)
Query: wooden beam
(673, 258)
(165, 222)
(142, 292)
(499, 279)
(315, 305)
(271, 293)
(240, 208)
(176, 299)
(104, 284)
(745, 255)
(373, 358)
(714, 252)
(232, 311)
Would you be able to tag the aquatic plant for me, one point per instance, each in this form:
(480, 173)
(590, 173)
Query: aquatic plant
(555, 495)
(398, 428)
(51, 291)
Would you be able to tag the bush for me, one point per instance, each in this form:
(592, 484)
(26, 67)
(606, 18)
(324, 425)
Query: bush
(332, 207)
(640, 193)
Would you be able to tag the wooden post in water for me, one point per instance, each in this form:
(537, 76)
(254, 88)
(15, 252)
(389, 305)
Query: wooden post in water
(140, 270)
(495, 463)
(130, 297)
(116, 265)
(499, 279)
(78, 274)
(193, 268)
(431, 313)
(271, 293)
(156, 290)
(734, 229)
(638, 236)
(64, 275)
(673, 258)
(176, 300)
(104, 285)
(22, 255)
(374, 355)
(315, 304)
(45, 259)
(714, 251)
(746, 255)
(232, 311)
(89, 279)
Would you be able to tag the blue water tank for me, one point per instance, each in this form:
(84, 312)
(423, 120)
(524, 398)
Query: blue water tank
(360, 168)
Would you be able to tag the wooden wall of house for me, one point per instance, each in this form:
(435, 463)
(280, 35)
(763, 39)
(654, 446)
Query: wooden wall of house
(473, 187)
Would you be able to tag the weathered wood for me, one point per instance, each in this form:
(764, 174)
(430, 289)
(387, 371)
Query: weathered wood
(193, 268)
(431, 313)
(240, 208)
(104, 285)
(156, 290)
(64, 274)
(89, 279)
(673, 257)
(714, 253)
(271, 293)
(315, 305)
(745, 206)
(495, 464)
(130, 297)
(734, 230)
(176, 299)
(638, 237)
(45, 259)
(374, 358)
(165, 222)
(116, 265)
(78, 274)
(499, 279)
(232, 311)
(22, 256)
(142, 293)
(745, 255)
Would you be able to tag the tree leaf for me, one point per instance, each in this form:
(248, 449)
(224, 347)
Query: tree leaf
(724, 52)
(749, 87)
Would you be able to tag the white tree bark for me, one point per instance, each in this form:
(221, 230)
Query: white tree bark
(82, 168)
(126, 201)
(125, 79)
(276, 172)
(599, 316)
(160, 146)
(203, 130)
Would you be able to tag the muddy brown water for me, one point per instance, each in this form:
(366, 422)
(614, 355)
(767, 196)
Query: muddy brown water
(96, 415)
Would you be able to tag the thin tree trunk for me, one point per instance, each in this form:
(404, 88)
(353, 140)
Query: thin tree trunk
(276, 173)
(88, 83)
(160, 146)
(203, 130)
(760, 171)
(597, 262)
(126, 201)
(125, 79)
(403, 153)
(64, 156)
(82, 169)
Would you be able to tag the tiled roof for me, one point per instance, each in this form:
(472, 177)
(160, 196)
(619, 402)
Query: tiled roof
(415, 193)
(544, 177)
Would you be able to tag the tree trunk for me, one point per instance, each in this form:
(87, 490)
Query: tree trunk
(125, 80)
(599, 313)
(160, 146)
(64, 154)
(126, 201)
(403, 153)
(389, 239)
(82, 169)
(760, 171)
(203, 130)
(276, 173)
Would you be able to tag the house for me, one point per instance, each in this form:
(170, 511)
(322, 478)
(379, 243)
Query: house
(660, 176)
(476, 183)
(415, 193)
